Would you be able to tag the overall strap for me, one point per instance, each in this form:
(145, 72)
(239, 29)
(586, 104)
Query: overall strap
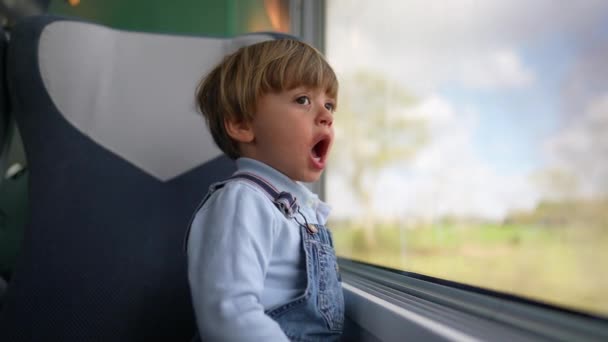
(284, 201)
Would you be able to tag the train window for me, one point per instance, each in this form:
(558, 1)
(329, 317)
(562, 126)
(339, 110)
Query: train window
(471, 143)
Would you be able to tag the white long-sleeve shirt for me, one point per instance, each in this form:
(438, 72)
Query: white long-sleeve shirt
(245, 256)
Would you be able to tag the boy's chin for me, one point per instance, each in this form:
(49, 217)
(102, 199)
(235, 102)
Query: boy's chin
(312, 178)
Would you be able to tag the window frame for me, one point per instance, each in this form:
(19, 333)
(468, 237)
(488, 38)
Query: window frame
(391, 305)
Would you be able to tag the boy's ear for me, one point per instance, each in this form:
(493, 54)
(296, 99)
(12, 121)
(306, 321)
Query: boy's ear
(240, 131)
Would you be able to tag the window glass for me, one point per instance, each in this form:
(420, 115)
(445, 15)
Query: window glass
(472, 143)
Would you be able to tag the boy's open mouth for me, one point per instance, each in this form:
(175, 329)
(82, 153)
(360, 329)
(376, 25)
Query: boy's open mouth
(319, 151)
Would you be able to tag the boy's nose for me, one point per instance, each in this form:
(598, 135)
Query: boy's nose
(325, 117)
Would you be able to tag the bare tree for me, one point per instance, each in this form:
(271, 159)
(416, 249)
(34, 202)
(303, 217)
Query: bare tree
(372, 134)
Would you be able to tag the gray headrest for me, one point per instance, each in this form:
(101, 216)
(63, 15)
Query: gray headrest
(133, 93)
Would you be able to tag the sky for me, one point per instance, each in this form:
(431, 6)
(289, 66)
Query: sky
(508, 89)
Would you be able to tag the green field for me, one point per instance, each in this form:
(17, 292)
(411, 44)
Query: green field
(564, 266)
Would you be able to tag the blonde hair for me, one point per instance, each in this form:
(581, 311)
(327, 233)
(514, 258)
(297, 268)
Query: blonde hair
(231, 90)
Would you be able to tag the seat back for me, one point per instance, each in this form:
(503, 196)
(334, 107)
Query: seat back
(4, 124)
(118, 160)
(4, 114)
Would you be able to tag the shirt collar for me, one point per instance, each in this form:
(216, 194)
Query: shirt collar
(310, 204)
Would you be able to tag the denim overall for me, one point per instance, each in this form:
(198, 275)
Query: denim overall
(317, 314)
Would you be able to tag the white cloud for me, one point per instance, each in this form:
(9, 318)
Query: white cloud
(581, 148)
(434, 109)
(425, 44)
(496, 69)
(446, 177)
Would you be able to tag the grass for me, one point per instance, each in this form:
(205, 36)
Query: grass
(564, 266)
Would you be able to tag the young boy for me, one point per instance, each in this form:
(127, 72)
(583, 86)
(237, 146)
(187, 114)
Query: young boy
(261, 264)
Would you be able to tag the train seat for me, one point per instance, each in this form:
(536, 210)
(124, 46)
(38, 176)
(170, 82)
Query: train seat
(118, 159)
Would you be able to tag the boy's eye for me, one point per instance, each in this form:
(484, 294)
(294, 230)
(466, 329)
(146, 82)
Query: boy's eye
(330, 107)
(303, 100)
